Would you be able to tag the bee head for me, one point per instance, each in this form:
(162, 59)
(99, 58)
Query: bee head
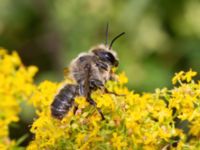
(105, 52)
(106, 55)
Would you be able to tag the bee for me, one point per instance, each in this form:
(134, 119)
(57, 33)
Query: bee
(90, 71)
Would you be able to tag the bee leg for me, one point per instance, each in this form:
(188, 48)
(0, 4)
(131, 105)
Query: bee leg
(95, 83)
(109, 92)
(102, 65)
(75, 109)
(92, 102)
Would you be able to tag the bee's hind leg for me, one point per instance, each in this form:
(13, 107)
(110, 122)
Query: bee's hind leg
(109, 92)
(92, 102)
(75, 109)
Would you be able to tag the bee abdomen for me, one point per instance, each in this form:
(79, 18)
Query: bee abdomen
(63, 101)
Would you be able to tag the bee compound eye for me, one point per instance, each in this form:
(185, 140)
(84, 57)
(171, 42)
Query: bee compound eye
(109, 57)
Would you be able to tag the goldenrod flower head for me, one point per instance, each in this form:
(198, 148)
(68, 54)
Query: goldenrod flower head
(189, 75)
(177, 77)
(16, 86)
(117, 141)
(81, 102)
(183, 76)
(138, 121)
(122, 79)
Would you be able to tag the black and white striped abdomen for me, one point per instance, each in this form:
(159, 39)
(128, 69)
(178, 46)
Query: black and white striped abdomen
(63, 101)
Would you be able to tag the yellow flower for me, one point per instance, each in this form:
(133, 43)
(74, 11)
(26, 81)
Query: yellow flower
(104, 101)
(15, 59)
(195, 127)
(178, 77)
(181, 76)
(16, 86)
(80, 138)
(117, 141)
(3, 52)
(81, 101)
(44, 94)
(140, 121)
(122, 78)
(188, 76)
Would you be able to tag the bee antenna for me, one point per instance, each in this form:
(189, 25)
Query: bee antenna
(107, 25)
(115, 39)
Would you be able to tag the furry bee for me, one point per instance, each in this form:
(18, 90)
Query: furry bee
(90, 70)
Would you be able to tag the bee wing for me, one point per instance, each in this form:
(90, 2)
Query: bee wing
(85, 86)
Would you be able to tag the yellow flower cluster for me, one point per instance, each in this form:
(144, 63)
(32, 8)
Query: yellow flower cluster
(164, 119)
(160, 120)
(16, 85)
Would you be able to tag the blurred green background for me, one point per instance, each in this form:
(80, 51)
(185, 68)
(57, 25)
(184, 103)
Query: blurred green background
(162, 36)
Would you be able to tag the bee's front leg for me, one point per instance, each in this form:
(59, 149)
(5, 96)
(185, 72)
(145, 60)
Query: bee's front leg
(102, 65)
(92, 102)
(95, 84)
